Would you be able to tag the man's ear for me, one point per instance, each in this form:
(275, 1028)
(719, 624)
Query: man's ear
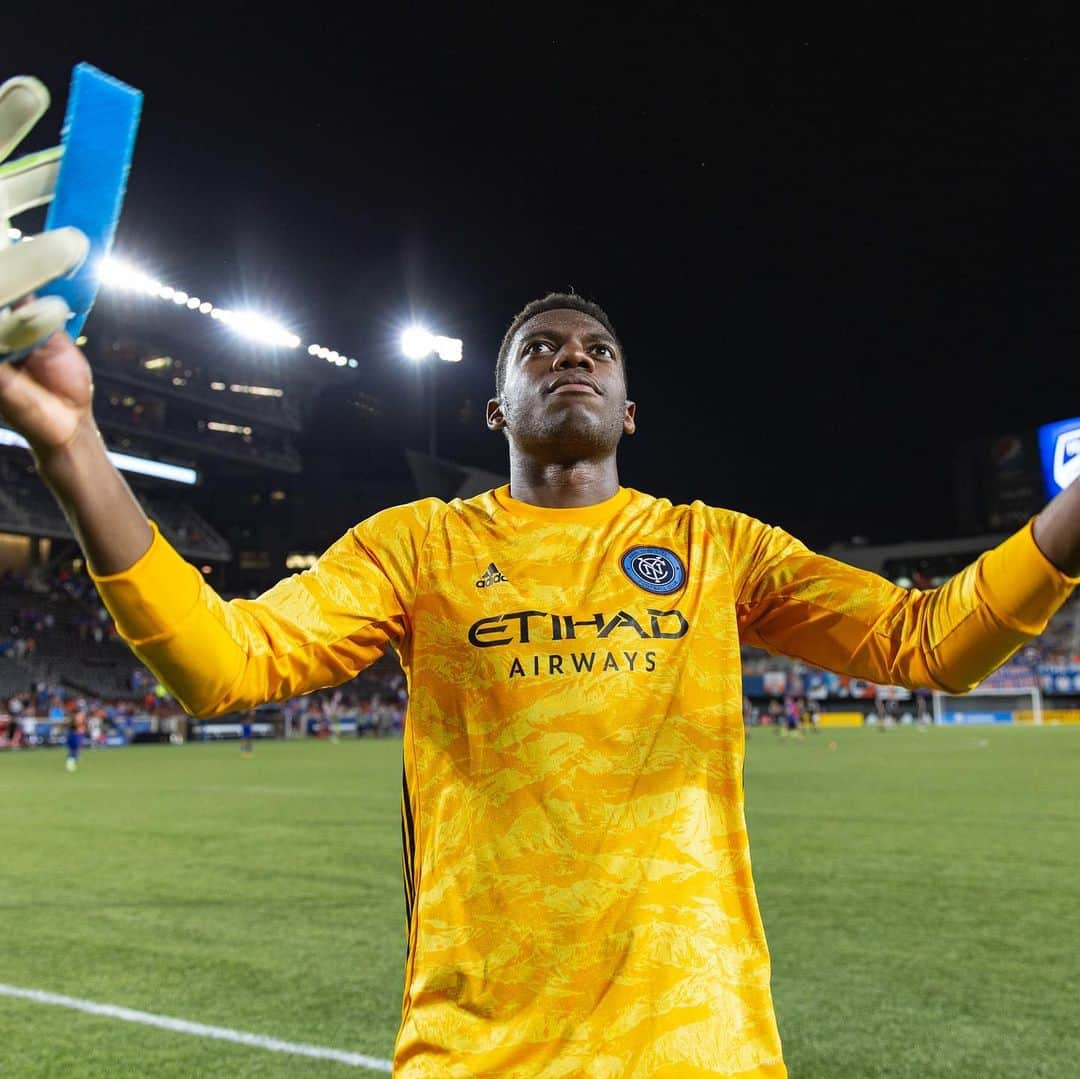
(629, 425)
(496, 419)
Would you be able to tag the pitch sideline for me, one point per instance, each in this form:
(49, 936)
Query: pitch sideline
(184, 1026)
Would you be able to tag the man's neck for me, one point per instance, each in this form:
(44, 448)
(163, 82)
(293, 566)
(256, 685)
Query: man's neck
(563, 486)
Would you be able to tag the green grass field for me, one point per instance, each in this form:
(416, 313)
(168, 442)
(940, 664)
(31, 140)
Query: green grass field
(920, 891)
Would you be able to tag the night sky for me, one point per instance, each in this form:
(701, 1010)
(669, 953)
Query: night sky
(834, 250)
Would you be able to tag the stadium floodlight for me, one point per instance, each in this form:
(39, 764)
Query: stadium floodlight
(256, 326)
(115, 273)
(448, 349)
(418, 343)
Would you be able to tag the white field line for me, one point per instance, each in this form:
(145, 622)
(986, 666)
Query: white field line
(183, 1026)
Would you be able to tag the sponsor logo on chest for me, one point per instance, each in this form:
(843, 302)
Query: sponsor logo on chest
(656, 570)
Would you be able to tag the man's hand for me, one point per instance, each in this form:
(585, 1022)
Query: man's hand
(47, 397)
(25, 183)
(46, 389)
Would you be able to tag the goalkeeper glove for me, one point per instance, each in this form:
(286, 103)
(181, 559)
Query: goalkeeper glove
(25, 183)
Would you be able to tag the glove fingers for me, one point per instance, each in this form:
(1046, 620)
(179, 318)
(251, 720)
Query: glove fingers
(23, 101)
(25, 267)
(29, 181)
(26, 326)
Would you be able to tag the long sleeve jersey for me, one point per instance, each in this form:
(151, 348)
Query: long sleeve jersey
(576, 863)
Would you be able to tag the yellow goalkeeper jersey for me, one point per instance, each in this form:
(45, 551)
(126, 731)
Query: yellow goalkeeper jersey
(576, 864)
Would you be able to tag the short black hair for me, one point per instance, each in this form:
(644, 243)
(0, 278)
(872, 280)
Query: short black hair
(553, 301)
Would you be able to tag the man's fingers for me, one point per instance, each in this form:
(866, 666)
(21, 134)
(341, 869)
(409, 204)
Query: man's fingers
(21, 396)
(29, 181)
(25, 267)
(23, 101)
(24, 326)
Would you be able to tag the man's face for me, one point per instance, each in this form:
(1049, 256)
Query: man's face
(564, 394)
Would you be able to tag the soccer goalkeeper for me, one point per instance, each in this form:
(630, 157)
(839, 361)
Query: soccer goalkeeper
(576, 866)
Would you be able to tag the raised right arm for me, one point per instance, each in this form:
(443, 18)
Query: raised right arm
(311, 630)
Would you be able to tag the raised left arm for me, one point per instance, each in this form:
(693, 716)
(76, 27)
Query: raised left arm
(798, 603)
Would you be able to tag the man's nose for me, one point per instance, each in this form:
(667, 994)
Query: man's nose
(573, 354)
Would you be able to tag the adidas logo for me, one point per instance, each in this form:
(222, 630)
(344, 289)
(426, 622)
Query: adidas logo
(491, 576)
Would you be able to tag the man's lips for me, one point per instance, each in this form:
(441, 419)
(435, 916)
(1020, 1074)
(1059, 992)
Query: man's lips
(573, 384)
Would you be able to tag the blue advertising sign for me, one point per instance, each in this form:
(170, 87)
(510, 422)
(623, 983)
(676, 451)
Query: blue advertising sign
(979, 719)
(1060, 678)
(753, 685)
(1059, 450)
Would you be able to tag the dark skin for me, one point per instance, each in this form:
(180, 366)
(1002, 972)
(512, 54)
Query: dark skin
(563, 410)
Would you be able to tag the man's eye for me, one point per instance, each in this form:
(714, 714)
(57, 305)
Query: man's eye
(605, 350)
(535, 346)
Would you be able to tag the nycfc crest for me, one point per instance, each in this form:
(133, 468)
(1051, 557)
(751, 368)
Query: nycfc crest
(655, 569)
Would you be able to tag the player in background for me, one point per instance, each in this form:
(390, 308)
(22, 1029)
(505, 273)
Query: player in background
(247, 734)
(924, 715)
(333, 712)
(76, 733)
(792, 718)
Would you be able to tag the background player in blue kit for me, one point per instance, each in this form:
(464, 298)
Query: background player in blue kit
(74, 740)
(246, 735)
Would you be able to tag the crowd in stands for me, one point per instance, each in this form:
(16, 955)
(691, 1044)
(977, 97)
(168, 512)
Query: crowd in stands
(186, 529)
(372, 704)
(62, 660)
(56, 709)
(1060, 644)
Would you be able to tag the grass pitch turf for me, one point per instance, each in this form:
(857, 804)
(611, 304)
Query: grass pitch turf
(920, 892)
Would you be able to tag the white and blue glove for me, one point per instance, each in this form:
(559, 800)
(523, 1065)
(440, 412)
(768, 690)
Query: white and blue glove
(28, 265)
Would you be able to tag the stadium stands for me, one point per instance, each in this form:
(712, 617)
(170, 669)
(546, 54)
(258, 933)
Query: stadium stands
(59, 652)
(232, 416)
(27, 508)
